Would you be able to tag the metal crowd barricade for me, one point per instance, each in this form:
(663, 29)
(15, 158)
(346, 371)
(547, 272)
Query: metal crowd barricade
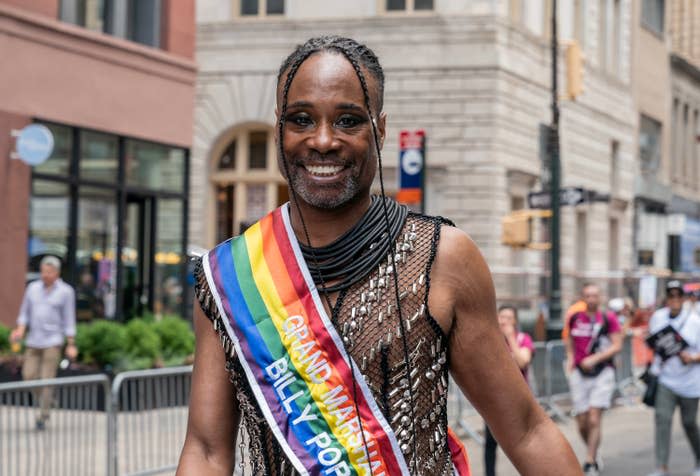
(75, 439)
(556, 381)
(537, 373)
(628, 385)
(149, 419)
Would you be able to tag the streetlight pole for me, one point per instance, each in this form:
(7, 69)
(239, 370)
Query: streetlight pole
(555, 322)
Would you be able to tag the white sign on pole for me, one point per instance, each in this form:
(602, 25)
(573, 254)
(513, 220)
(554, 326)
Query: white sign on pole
(647, 291)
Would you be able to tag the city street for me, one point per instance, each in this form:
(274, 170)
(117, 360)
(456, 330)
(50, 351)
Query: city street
(627, 448)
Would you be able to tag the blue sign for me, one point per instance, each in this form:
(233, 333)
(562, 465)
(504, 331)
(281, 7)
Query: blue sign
(34, 144)
(411, 167)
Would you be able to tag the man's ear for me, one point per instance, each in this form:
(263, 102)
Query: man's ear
(381, 129)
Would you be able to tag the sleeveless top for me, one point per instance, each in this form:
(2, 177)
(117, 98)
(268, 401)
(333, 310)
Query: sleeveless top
(367, 319)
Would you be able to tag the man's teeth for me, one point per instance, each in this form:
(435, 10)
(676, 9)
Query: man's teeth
(324, 169)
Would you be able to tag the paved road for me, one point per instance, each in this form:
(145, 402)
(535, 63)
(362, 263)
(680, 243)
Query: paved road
(628, 445)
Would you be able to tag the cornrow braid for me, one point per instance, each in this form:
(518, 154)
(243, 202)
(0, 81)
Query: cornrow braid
(358, 56)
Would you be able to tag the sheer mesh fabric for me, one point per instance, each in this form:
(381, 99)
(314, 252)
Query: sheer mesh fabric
(412, 397)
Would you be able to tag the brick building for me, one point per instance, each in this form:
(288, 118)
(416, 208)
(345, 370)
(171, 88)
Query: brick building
(114, 83)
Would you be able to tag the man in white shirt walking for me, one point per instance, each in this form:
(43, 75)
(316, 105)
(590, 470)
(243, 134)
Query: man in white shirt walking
(679, 378)
(48, 312)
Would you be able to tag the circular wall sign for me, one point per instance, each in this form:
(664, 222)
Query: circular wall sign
(34, 144)
(412, 161)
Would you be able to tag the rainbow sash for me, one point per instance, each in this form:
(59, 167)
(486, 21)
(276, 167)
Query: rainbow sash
(293, 357)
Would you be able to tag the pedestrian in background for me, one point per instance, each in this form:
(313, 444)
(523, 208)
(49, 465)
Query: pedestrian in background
(679, 378)
(48, 312)
(594, 339)
(521, 348)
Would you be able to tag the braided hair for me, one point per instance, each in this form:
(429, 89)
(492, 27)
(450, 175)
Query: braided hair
(361, 58)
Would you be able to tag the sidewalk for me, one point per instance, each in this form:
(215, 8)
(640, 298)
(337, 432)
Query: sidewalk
(627, 448)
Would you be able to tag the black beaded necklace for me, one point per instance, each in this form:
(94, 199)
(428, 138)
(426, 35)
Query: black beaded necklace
(357, 251)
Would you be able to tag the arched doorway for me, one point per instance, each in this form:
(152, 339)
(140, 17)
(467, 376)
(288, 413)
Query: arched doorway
(245, 180)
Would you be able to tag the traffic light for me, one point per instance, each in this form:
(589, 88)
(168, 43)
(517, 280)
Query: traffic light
(574, 70)
(516, 229)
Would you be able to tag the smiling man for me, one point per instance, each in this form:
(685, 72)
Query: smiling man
(339, 316)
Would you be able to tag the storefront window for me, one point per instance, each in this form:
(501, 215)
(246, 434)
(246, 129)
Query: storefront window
(155, 166)
(123, 261)
(95, 257)
(49, 210)
(98, 157)
(59, 162)
(168, 258)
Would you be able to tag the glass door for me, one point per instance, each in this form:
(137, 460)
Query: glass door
(137, 256)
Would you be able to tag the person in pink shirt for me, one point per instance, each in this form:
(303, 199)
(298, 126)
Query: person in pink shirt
(594, 339)
(522, 349)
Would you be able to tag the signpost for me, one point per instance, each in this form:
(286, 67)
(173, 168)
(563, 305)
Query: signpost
(412, 169)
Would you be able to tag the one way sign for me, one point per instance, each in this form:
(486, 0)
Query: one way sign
(567, 196)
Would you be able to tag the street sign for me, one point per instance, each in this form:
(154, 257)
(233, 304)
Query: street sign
(34, 144)
(567, 196)
(412, 167)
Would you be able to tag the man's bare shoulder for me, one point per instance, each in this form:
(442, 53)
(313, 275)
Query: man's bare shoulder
(460, 279)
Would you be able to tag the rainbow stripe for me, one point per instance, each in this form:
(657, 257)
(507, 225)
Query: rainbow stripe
(293, 357)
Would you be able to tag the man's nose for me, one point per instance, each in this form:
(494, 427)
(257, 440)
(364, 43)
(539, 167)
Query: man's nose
(323, 138)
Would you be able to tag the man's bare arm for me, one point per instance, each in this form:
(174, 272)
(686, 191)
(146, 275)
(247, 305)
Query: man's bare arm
(213, 420)
(462, 299)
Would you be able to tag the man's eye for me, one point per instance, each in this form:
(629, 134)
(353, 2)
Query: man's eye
(349, 121)
(299, 119)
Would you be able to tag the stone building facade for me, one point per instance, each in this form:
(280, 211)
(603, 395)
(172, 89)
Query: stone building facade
(476, 76)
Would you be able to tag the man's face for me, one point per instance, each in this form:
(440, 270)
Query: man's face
(328, 140)
(674, 300)
(591, 296)
(49, 274)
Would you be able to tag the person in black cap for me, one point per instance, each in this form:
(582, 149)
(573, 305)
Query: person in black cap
(679, 377)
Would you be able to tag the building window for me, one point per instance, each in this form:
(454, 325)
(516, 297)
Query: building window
(124, 261)
(257, 150)
(408, 5)
(246, 184)
(135, 20)
(603, 43)
(516, 11)
(653, 15)
(614, 167)
(649, 144)
(694, 177)
(154, 166)
(616, 41)
(580, 22)
(247, 8)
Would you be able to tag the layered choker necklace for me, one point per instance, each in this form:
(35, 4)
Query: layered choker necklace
(359, 250)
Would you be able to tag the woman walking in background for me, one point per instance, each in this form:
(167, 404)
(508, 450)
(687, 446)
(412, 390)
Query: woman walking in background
(522, 349)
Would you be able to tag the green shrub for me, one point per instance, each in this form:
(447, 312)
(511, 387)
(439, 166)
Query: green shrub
(4, 338)
(176, 337)
(143, 342)
(101, 342)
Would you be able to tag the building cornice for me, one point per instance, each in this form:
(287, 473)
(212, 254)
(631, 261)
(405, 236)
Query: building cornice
(74, 39)
(680, 63)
